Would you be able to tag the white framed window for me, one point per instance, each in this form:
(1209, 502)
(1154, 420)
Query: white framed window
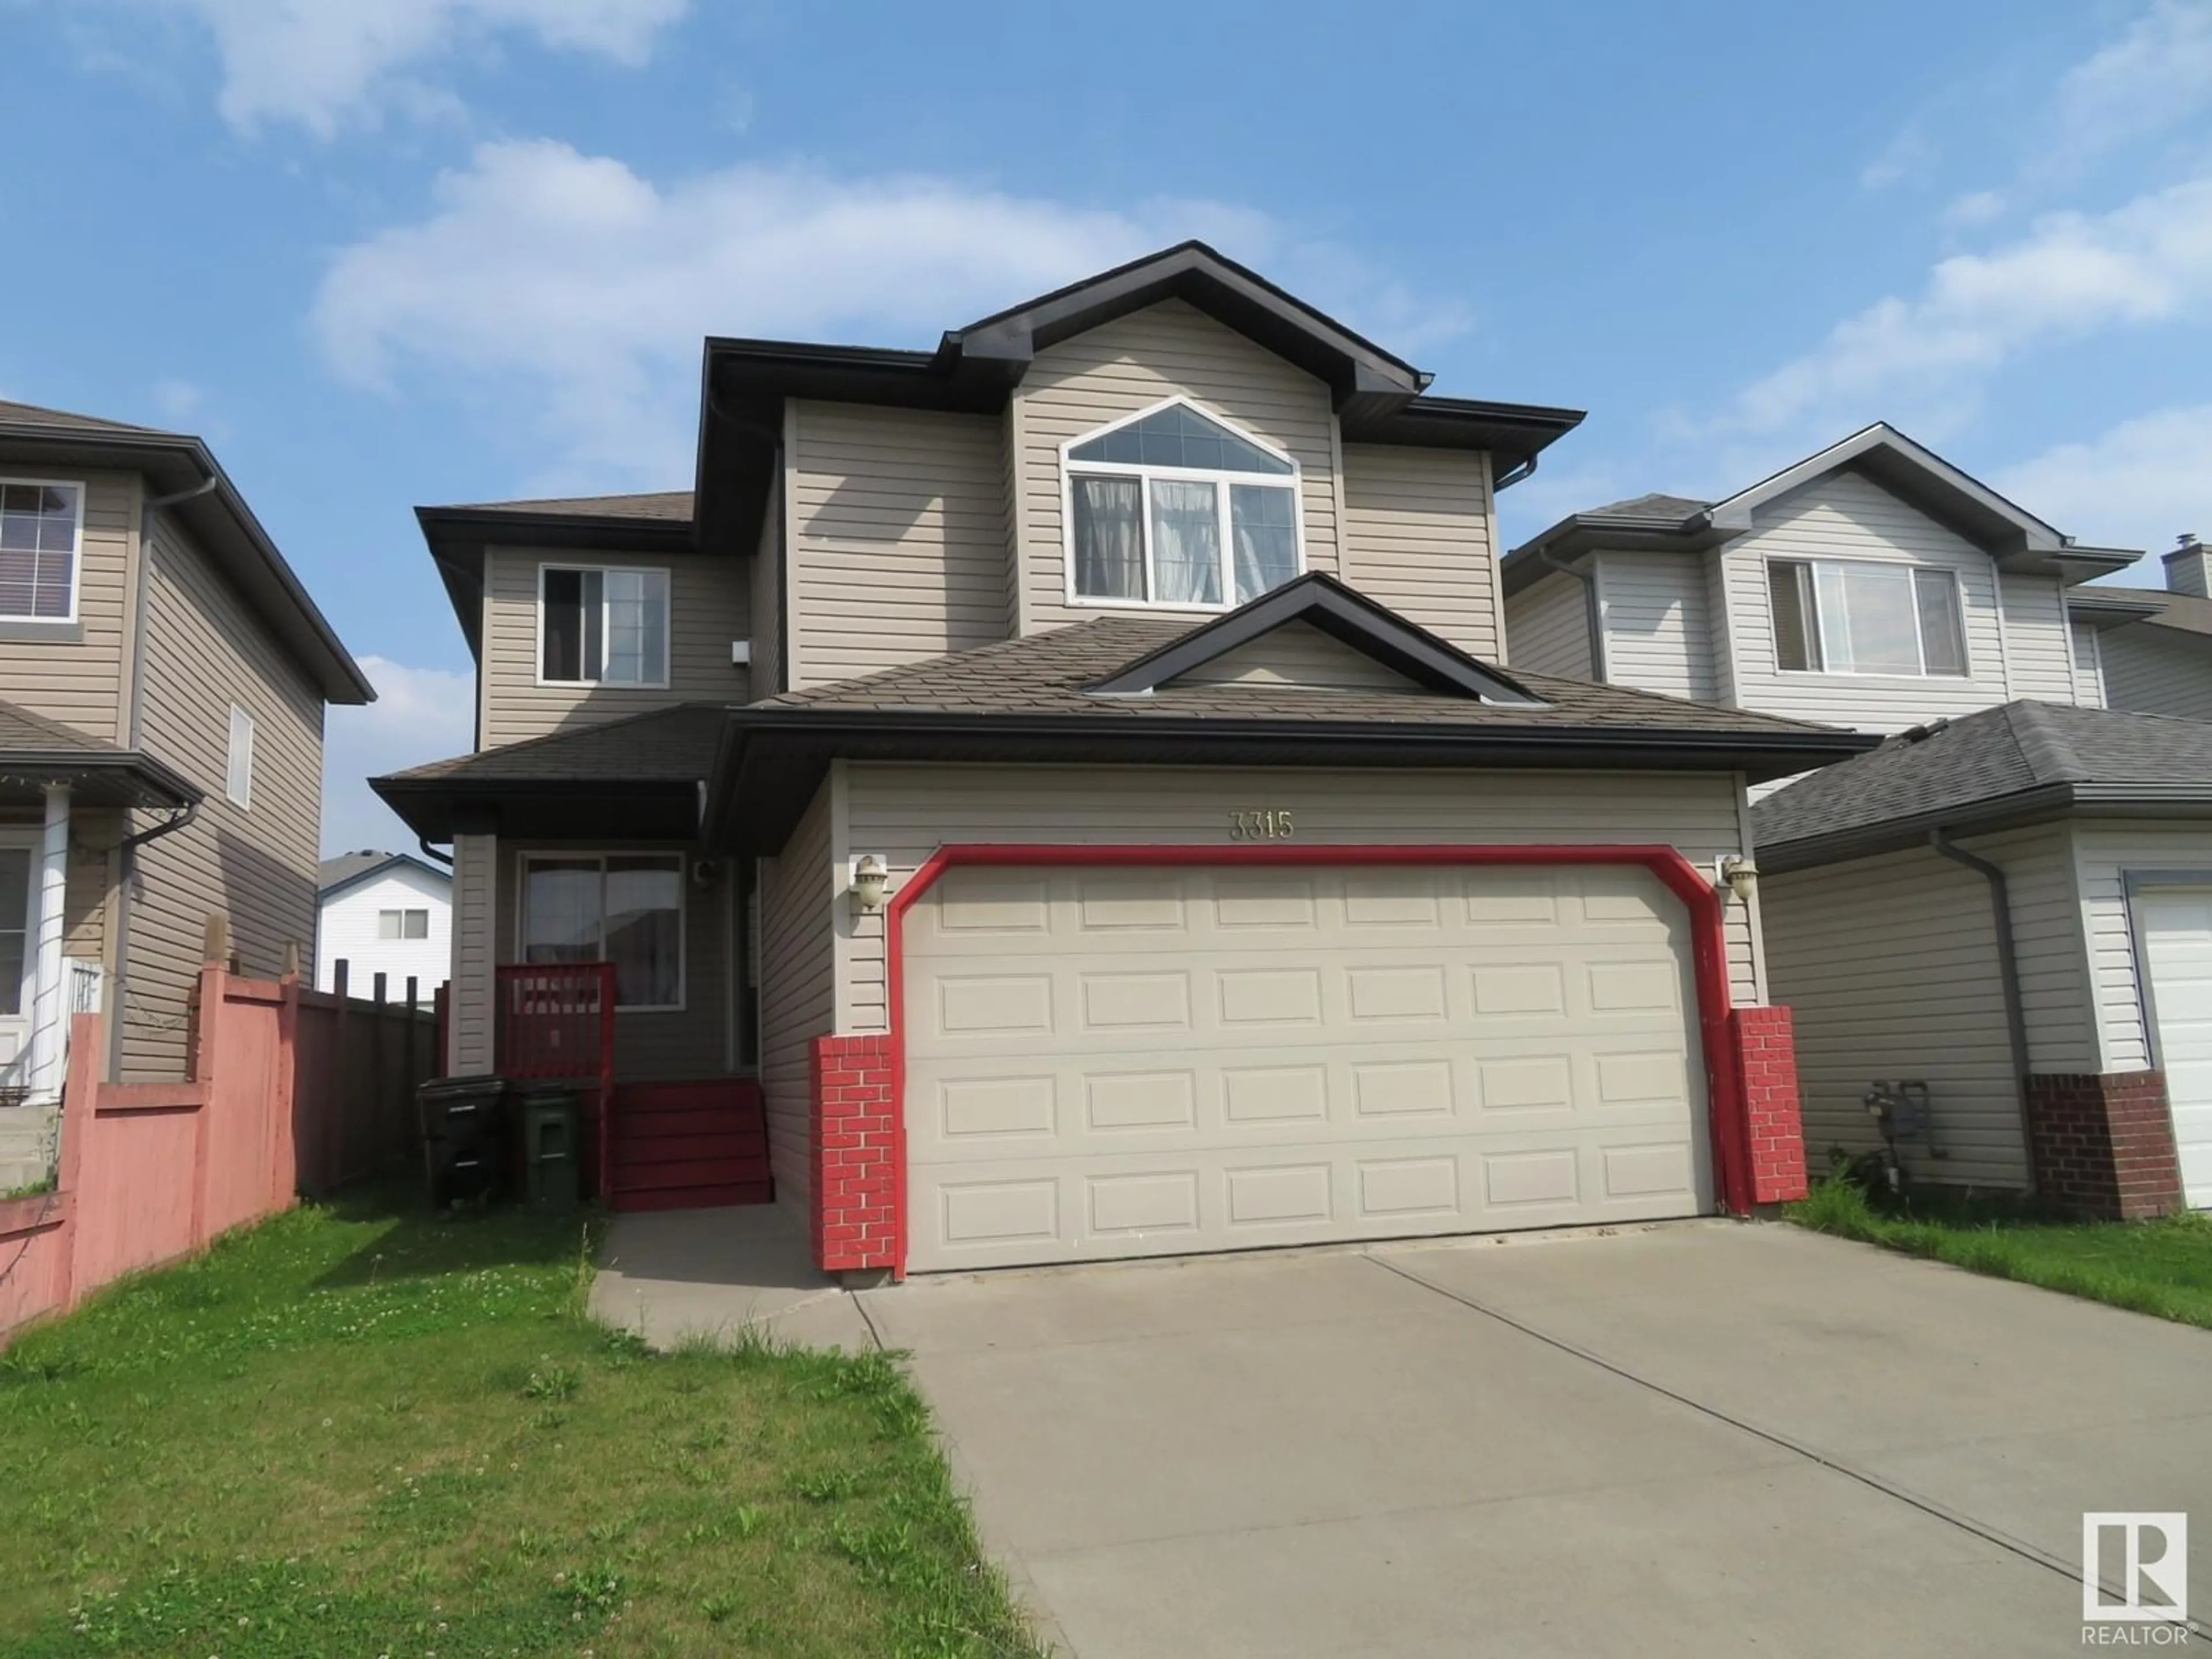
(623, 907)
(403, 924)
(1861, 616)
(238, 775)
(1173, 507)
(602, 625)
(41, 539)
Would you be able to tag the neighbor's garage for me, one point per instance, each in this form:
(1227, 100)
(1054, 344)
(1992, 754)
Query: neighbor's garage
(1105, 1061)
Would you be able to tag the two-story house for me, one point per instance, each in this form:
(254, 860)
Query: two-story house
(2011, 901)
(1073, 777)
(162, 682)
(2154, 645)
(384, 914)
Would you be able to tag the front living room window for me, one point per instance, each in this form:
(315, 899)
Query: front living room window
(1173, 507)
(623, 907)
(602, 626)
(39, 534)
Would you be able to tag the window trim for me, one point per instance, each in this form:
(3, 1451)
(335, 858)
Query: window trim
(1912, 570)
(26, 839)
(1294, 482)
(523, 860)
(404, 911)
(73, 620)
(668, 623)
(239, 795)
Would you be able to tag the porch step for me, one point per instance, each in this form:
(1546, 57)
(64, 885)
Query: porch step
(688, 1146)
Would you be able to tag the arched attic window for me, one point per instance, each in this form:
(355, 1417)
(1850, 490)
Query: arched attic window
(1173, 507)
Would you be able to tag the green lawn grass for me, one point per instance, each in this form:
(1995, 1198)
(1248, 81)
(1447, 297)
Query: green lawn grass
(358, 1431)
(2162, 1267)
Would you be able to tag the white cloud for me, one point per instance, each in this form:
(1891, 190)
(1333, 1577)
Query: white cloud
(1909, 154)
(420, 714)
(566, 295)
(2140, 484)
(324, 64)
(2071, 274)
(2156, 77)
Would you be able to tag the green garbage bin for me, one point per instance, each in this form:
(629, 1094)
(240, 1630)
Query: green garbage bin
(551, 1116)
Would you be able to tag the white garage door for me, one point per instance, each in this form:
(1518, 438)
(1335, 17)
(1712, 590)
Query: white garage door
(2176, 931)
(1118, 1062)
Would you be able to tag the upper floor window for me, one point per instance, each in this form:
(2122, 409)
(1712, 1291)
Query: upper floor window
(238, 771)
(1836, 617)
(1173, 507)
(39, 526)
(602, 626)
(403, 924)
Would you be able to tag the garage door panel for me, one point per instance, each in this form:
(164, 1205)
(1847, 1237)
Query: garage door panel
(1235, 1059)
(2176, 930)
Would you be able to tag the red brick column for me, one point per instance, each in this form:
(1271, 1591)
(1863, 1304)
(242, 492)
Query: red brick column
(2103, 1144)
(1767, 1060)
(855, 1180)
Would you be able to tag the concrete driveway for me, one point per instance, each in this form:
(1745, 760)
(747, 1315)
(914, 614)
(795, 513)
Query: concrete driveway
(1704, 1438)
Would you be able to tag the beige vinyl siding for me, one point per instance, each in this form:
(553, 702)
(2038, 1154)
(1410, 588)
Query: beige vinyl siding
(1166, 350)
(1549, 621)
(1890, 965)
(764, 609)
(2156, 670)
(2103, 852)
(75, 675)
(904, 812)
(1658, 632)
(2089, 666)
(2036, 643)
(651, 1045)
(93, 834)
(1720, 627)
(1296, 653)
(898, 548)
(797, 888)
(2046, 923)
(1846, 516)
(1417, 538)
(707, 611)
(471, 1038)
(204, 651)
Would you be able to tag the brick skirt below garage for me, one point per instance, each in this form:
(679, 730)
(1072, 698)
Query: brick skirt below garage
(1765, 1045)
(2103, 1145)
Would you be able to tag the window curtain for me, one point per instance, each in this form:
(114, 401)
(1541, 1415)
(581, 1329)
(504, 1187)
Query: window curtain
(560, 910)
(15, 925)
(1264, 526)
(1109, 545)
(645, 905)
(1186, 542)
(637, 626)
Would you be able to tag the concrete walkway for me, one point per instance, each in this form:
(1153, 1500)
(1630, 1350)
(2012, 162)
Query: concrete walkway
(1702, 1438)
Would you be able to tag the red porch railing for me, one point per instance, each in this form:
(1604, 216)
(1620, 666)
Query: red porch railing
(558, 1020)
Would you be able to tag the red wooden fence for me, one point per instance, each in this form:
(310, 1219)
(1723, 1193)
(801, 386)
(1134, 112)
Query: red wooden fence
(287, 1093)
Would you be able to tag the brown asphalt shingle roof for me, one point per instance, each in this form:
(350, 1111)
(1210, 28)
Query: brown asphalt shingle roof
(2184, 613)
(1046, 674)
(669, 745)
(14, 414)
(672, 506)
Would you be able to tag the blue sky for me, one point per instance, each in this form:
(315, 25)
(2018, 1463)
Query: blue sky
(382, 253)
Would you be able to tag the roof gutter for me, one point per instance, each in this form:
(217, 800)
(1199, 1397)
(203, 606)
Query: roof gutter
(2008, 975)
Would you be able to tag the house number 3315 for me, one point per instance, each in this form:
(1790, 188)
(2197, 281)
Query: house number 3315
(1273, 824)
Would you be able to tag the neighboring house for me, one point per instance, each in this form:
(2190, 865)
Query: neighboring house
(2155, 646)
(163, 677)
(1873, 585)
(1876, 586)
(1074, 776)
(388, 913)
(2015, 906)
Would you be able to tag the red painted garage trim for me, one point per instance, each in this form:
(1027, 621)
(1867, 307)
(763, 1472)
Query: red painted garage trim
(1732, 1152)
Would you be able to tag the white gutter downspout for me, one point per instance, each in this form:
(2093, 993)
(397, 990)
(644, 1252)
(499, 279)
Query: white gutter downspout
(46, 1011)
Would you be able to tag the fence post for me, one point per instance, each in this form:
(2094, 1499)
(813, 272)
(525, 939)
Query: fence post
(413, 1070)
(283, 1110)
(337, 1115)
(214, 982)
(379, 1100)
(80, 1101)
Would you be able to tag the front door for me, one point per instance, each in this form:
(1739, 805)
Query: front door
(18, 954)
(2177, 935)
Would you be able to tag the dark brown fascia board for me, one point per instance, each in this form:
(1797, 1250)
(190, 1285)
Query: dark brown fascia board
(457, 536)
(1320, 601)
(811, 737)
(176, 462)
(163, 785)
(2012, 811)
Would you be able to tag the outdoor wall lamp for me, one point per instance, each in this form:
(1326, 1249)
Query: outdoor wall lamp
(1740, 875)
(870, 877)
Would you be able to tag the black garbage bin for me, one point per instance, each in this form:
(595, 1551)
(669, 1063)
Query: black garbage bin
(550, 1115)
(465, 1138)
